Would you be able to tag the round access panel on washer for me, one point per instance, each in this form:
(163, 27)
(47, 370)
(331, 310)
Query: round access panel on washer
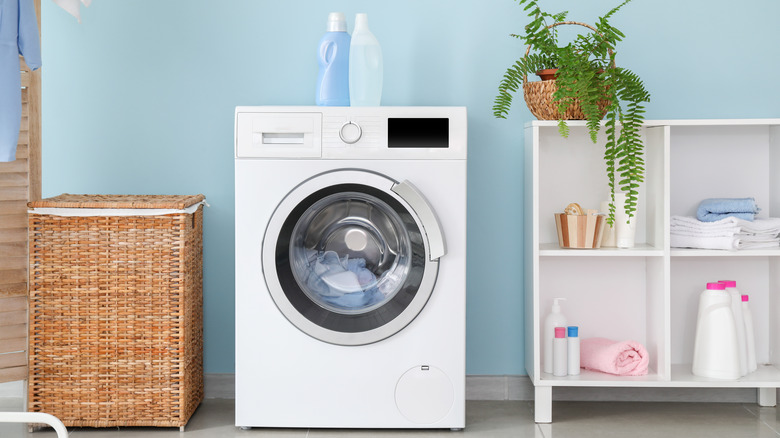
(424, 394)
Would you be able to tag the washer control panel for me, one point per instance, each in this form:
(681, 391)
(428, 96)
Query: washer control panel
(351, 132)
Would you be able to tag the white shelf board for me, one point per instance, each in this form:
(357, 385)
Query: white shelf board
(766, 376)
(640, 250)
(595, 378)
(690, 252)
(682, 122)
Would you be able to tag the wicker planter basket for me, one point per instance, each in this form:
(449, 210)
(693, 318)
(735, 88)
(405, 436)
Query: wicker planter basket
(539, 98)
(116, 309)
(539, 94)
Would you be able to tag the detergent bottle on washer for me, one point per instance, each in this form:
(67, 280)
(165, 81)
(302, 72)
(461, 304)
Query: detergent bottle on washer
(333, 58)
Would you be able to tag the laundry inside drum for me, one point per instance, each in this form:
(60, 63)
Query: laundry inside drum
(350, 252)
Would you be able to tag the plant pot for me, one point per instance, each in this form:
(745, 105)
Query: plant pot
(547, 74)
(538, 96)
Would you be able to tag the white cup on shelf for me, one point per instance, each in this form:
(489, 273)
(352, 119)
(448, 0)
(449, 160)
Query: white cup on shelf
(625, 229)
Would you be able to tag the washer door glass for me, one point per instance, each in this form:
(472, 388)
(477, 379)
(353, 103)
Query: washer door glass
(349, 262)
(350, 253)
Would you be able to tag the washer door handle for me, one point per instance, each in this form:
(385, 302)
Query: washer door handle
(437, 247)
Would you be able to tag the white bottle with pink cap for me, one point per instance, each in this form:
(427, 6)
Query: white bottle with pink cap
(716, 350)
(560, 350)
(739, 321)
(749, 335)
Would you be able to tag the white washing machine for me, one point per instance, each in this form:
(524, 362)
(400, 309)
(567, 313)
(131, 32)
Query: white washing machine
(350, 267)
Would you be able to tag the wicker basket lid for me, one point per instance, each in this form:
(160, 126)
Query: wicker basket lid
(67, 200)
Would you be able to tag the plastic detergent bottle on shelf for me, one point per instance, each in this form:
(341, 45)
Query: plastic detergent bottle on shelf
(554, 319)
(365, 66)
(750, 339)
(560, 359)
(739, 322)
(573, 351)
(333, 58)
(716, 350)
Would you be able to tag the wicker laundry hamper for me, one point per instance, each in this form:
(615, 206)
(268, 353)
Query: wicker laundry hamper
(116, 335)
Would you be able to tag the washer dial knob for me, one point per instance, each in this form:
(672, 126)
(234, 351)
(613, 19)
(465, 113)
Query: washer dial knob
(350, 132)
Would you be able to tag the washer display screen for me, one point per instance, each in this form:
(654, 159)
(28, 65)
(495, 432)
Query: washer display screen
(418, 132)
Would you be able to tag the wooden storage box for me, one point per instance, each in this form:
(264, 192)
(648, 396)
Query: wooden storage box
(116, 335)
(579, 231)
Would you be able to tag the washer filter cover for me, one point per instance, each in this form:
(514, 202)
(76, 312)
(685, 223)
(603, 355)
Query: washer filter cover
(424, 394)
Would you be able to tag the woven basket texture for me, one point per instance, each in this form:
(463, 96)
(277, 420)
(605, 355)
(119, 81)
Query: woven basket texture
(67, 200)
(539, 98)
(116, 335)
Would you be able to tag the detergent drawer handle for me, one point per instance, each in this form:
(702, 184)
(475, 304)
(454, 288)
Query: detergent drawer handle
(437, 247)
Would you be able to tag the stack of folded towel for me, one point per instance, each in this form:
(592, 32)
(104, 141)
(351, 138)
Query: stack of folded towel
(729, 233)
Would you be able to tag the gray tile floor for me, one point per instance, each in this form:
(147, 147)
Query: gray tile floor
(214, 419)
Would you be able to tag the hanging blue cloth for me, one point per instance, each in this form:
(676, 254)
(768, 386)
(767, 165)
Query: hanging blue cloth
(18, 36)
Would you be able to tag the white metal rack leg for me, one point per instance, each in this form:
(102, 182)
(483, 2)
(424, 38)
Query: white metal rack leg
(35, 417)
(767, 396)
(543, 404)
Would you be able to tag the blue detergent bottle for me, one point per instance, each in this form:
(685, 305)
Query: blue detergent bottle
(333, 57)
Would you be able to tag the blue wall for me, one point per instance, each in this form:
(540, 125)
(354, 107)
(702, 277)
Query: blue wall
(139, 98)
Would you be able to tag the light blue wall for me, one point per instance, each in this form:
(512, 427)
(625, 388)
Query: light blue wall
(139, 98)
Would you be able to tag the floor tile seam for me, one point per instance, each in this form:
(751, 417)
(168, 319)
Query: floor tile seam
(758, 417)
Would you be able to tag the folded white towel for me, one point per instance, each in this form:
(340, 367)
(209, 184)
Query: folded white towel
(709, 242)
(693, 222)
(693, 232)
(741, 243)
(756, 238)
(760, 226)
(689, 226)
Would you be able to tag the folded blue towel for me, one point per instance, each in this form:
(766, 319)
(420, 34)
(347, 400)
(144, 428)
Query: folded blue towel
(714, 209)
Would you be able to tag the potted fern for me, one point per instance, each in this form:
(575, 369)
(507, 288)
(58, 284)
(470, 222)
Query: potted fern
(588, 85)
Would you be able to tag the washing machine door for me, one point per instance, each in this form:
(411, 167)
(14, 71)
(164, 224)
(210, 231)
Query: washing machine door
(350, 257)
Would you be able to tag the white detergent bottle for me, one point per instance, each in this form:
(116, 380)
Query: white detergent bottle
(365, 66)
(554, 319)
(739, 321)
(749, 335)
(716, 351)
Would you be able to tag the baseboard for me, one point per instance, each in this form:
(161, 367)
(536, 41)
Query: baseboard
(12, 389)
(521, 388)
(509, 388)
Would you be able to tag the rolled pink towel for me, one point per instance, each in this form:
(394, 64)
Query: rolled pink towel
(622, 358)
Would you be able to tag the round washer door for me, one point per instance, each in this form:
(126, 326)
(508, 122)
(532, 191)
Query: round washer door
(350, 257)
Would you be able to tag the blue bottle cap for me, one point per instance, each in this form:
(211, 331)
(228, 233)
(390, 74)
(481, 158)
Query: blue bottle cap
(573, 331)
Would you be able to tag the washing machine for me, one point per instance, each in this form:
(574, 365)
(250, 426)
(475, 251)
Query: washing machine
(350, 267)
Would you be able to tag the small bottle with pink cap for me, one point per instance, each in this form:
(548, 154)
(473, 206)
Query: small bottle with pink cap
(560, 349)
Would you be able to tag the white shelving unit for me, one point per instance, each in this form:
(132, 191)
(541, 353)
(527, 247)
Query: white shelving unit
(650, 293)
